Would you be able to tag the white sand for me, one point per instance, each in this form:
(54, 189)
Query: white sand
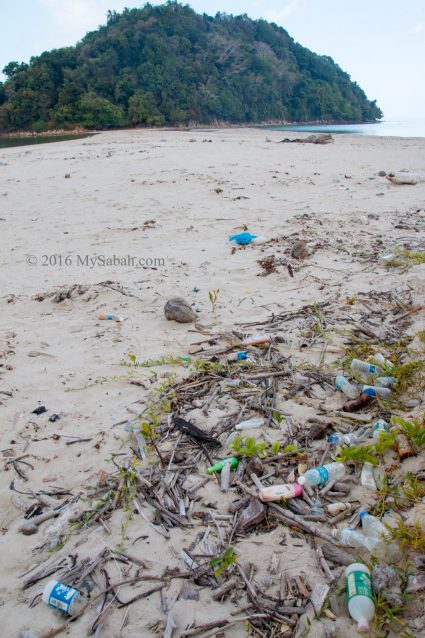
(198, 187)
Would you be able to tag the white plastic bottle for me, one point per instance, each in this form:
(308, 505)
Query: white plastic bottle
(322, 474)
(378, 533)
(364, 367)
(351, 438)
(250, 424)
(359, 594)
(378, 427)
(372, 526)
(349, 389)
(63, 597)
(366, 477)
(385, 382)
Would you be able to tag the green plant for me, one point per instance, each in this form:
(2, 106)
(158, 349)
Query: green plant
(405, 258)
(248, 446)
(149, 363)
(213, 297)
(223, 562)
(354, 454)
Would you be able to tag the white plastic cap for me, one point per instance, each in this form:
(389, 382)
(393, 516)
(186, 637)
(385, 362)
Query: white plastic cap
(363, 625)
(301, 480)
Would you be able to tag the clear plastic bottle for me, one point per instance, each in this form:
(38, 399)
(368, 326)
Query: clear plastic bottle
(380, 360)
(385, 382)
(63, 597)
(349, 389)
(359, 593)
(322, 474)
(367, 478)
(378, 427)
(352, 538)
(352, 438)
(378, 533)
(357, 365)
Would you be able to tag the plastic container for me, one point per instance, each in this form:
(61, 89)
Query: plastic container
(359, 594)
(107, 317)
(376, 391)
(385, 382)
(336, 508)
(242, 239)
(380, 360)
(238, 356)
(366, 477)
(134, 428)
(256, 340)
(378, 533)
(277, 492)
(352, 538)
(250, 424)
(364, 367)
(378, 427)
(349, 389)
(322, 474)
(404, 447)
(63, 597)
(352, 438)
(217, 467)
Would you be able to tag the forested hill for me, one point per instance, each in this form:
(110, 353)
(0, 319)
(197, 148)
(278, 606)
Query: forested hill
(167, 65)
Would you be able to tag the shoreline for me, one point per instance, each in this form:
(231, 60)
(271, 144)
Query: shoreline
(146, 194)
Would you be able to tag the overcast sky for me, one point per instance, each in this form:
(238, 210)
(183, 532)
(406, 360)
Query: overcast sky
(380, 43)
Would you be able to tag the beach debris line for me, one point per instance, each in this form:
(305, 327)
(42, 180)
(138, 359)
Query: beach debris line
(183, 466)
(319, 138)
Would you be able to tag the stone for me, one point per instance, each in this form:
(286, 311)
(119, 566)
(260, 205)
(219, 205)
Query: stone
(178, 309)
(299, 250)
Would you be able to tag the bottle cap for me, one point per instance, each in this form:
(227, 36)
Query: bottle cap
(363, 625)
(298, 489)
(301, 480)
(362, 513)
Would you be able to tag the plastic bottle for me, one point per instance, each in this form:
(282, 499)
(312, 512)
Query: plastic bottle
(217, 467)
(404, 447)
(380, 360)
(277, 492)
(322, 474)
(366, 477)
(250, 424)
(343, 384)
(352, 538)
(63, 597)
(385, 382)
(375, 530)
(359, 594)
(107, 317)
(256, 340)
(336, 508)
(134, 427)
(364, 367)
(378, 427)
(374, 390)
(238, 356)
(352, 438)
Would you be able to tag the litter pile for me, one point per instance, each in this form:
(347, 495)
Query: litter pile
(215, 458)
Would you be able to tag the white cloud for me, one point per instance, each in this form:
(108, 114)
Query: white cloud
(73, 18)
(419, 27)
(280, 15)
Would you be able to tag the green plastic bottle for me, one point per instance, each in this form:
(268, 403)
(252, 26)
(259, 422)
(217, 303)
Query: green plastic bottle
(217, 467)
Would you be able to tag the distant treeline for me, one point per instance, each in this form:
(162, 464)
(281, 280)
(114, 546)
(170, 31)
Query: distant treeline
(167, 65)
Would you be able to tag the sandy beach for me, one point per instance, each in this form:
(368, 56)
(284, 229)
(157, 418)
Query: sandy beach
(124, 220)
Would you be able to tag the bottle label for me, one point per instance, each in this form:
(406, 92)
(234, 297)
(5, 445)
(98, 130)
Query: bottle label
(380, 426)
(62, 596)
(324, 474)
(359, 584)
